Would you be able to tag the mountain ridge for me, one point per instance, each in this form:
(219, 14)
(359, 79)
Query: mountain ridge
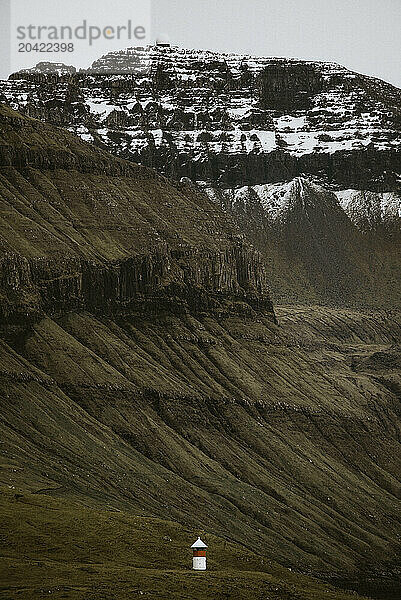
(144, 367)
(167, 101)
(78, 244)
(243, 128)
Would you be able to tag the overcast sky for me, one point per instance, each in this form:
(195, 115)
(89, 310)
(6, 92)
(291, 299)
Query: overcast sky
(363, 35)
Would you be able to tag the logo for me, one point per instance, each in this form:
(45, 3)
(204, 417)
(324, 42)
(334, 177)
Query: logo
(76, 32)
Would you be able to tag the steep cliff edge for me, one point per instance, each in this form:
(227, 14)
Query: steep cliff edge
(83, 230)
(142, 369)
(245, 128)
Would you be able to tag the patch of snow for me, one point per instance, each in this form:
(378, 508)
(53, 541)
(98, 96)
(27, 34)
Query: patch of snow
(100, 107)
(288, 121)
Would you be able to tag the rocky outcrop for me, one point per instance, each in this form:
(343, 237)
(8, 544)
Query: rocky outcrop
(289, 87)
(232, 119)
(143, 284)
(321, 244)
(109, 236)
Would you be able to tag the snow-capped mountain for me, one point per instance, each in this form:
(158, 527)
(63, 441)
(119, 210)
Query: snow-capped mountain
(277, 140)
(225, 118)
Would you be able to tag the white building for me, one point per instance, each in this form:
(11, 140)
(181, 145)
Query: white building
(199, 555)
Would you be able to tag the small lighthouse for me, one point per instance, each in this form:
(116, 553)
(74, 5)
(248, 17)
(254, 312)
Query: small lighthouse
(199, 555)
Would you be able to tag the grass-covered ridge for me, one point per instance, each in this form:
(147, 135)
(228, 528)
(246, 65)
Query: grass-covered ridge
(82, 229)
(280, 439)
(60, 549)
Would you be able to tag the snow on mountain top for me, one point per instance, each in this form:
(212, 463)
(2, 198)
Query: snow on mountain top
(176, 55)
(369, 208)
(221, 116)
(366, 209)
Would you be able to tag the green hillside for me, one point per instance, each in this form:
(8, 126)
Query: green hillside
(144, 370)
(52, 548)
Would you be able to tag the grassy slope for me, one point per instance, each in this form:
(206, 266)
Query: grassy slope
(51, 547)
(267, 435)
(282, 439)
(82, 228)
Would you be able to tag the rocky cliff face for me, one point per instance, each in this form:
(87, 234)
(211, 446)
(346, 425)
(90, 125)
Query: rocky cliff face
(245, 129)
(233, 119)
(83, 231)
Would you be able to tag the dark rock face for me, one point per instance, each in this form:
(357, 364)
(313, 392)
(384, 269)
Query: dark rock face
(109, 250)
(289, 87)
(225, 118)
(204, 281)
